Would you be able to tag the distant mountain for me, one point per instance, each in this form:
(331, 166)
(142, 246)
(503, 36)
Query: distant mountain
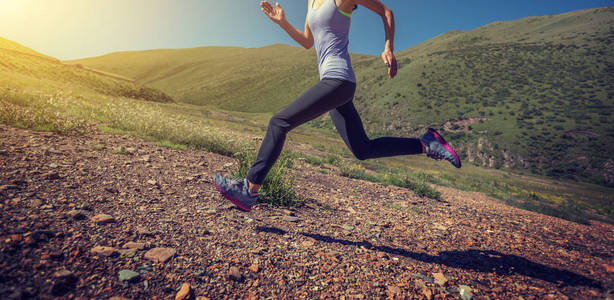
(534, 93)
(21, 66)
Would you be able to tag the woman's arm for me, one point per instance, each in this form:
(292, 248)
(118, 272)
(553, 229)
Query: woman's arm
(379, 8)
(276, 14)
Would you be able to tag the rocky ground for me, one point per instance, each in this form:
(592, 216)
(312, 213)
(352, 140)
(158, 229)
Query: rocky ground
(105, 216)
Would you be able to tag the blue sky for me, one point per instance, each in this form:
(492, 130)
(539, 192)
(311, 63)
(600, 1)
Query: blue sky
(69, 29)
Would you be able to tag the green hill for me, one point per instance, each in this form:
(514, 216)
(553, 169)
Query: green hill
(532, 94)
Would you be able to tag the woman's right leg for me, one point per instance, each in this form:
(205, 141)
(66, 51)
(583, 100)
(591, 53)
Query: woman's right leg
(324, 96)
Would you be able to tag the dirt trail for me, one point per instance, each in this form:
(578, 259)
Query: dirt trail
(351, 238)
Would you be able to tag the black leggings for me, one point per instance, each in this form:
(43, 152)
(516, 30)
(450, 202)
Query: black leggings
(334, 96)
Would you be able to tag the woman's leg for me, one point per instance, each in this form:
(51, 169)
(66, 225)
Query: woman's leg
(324, 96)
(348, 124)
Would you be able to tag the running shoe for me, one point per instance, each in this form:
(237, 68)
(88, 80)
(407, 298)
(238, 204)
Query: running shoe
(237, 191)
(437, 148)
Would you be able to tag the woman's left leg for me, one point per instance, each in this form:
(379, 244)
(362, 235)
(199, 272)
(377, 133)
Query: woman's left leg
(349, 125)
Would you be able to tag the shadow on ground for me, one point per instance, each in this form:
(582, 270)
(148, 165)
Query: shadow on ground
(473, 259)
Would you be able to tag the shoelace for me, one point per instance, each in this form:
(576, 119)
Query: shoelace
(234, 184)
(435, 155)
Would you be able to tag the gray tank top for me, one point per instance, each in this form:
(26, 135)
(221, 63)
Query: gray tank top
(330, 28)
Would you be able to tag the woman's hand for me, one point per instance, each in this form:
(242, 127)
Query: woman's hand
(275, 13)
(391, 62)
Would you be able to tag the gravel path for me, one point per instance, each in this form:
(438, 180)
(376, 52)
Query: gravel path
(110, 215)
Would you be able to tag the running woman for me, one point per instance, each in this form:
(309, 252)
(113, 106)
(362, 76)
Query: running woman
(327, 27)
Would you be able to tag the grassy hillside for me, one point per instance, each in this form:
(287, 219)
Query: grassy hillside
(250, 80)
(23, 68)
(535, 93)
(532, 94)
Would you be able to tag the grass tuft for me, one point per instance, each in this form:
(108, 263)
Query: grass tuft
(278, 186)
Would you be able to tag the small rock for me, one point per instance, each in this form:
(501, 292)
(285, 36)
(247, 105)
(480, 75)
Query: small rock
(76, 214)
(47, 207)
(235, 274)
(64, 281)
(7, 187)
(143, 231)
(290, 219)
(307, 243)
(127, 252)
(160, 254)
(465, 292)
(103, 219)
(128, 276)
(440, 279)
(54, 151)
(184, 293)
(134, 245)
(34, 203)
(103, 251)
(152, 182)
(347, 227)
(52, 176)
(53, 165)
(111, 190)
(393, 291)
(608, 268)
(254, 268)
(427, 293)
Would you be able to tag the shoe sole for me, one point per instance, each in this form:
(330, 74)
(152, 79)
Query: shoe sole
(445, 146)
(232, 199)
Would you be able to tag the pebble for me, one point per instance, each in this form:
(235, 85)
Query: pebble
(128, 276)
(52, 176)
(290, 219)
(134, 245)
(184, 292)
(76, 214)
(440, 279)
(347, 227)
(8, 187)
(34, 203)
(103, 251)
(127, 252)
(393, 291)
(143, 231)
(64, 282)
(235, 274)
(160, 254)
(254, 268)
(465, 292)
(102, 219)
